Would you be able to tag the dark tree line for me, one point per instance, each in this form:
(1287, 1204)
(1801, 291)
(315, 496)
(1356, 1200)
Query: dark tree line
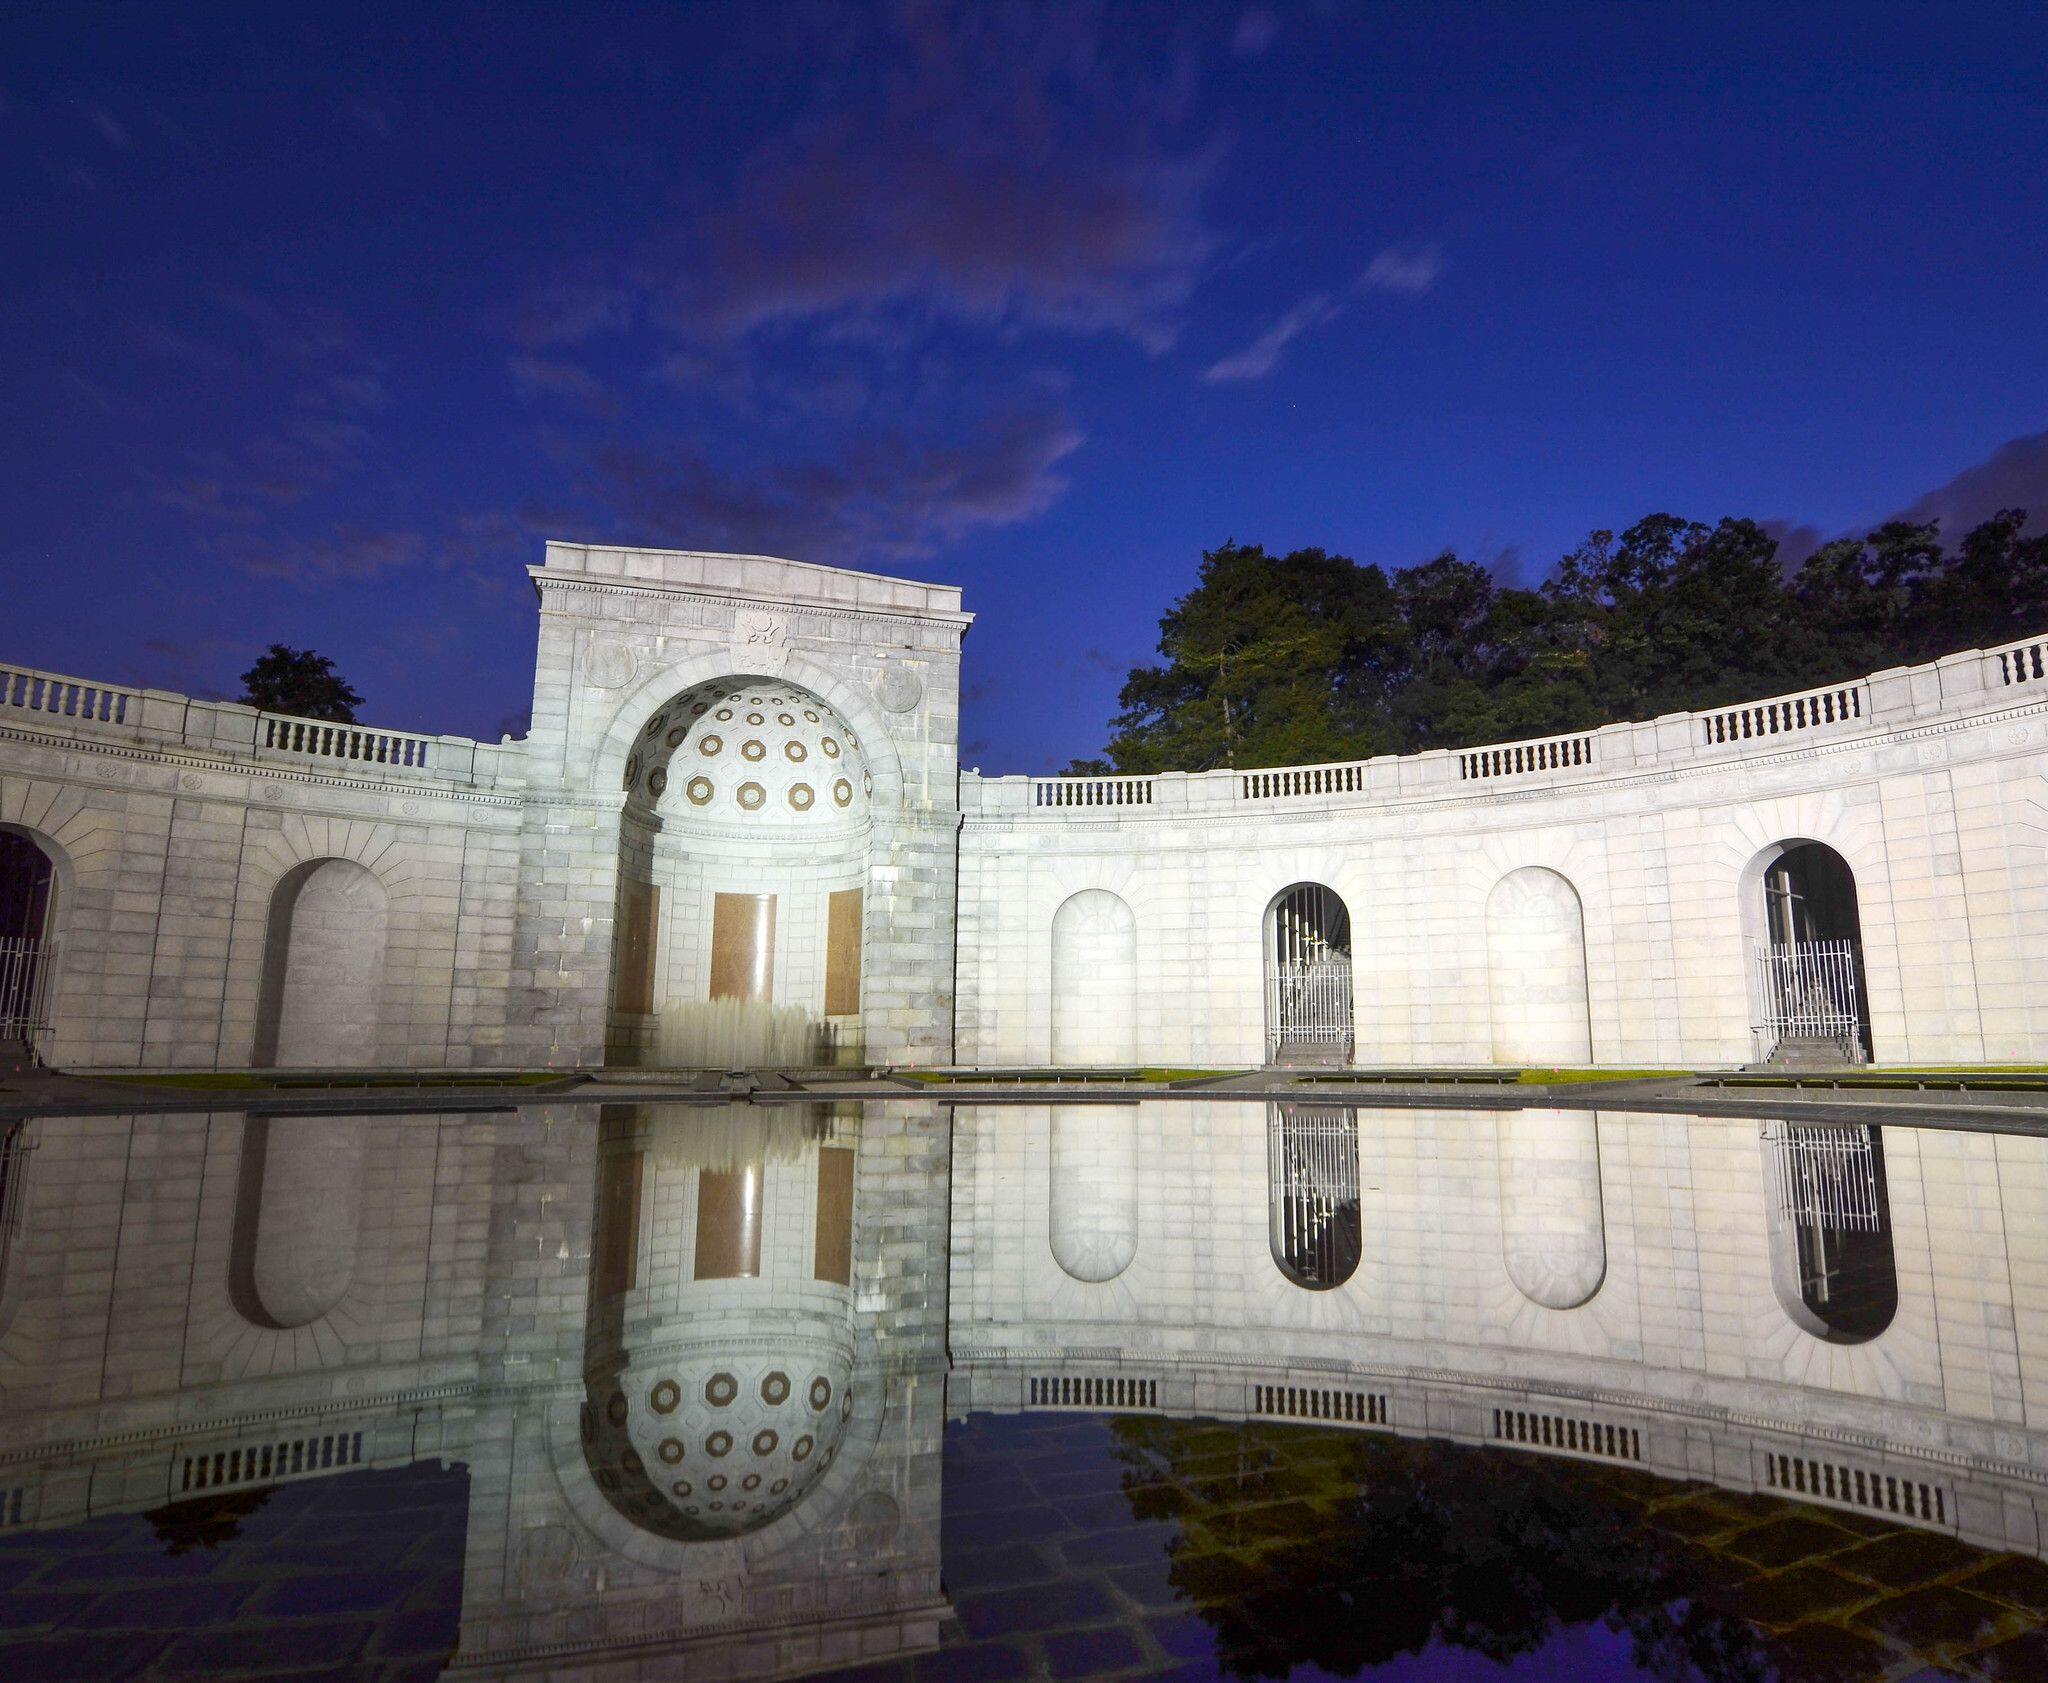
(1298, 658)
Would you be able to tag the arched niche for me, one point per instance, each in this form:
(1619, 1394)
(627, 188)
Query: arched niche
(1092, 1210)
(1094, 980)
(1314, 1223)
(1553, 1230)
(1307, 943)
(298, 1218)
(1830, 1220)
(319, 1005)
(1536, 970)
(1802, 916)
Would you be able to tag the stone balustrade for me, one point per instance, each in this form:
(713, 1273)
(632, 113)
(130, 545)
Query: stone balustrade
(1975, 681)
(51, 704)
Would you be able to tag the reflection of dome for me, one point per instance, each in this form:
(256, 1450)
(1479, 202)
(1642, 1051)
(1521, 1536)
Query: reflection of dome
(758, 750)
(709, 1441)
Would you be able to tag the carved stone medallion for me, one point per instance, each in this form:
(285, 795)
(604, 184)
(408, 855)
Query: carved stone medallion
(609, 665)
(899, 689)
(757, 628)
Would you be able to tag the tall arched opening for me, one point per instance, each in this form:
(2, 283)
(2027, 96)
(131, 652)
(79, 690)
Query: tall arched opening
(1809, 993)
(320, 1003)
(28, 926)
(1536, 970)
(1830, 1221)
(1308, 976)
(1094, 980)
(1314, 1223)
(743, 851)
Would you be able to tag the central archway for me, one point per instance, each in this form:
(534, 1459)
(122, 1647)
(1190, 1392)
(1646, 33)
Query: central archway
(743, 855)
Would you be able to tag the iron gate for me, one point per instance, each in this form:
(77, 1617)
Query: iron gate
(1806, 989)
(25, 970)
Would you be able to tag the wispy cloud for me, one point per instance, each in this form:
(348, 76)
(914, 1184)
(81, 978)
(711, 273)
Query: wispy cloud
(306, 370)
(345, 552)
(1254, 34)
(888, 496)
(565, 381)
(106, 125)
(1258, 359)
(2015, 475)
(1012, 172)
(1408, 271)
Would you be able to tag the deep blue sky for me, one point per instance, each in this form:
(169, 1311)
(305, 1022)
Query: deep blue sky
(317, 321)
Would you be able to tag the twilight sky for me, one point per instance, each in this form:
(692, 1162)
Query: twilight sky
(315, 321)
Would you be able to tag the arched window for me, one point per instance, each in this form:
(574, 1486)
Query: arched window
(1810, 992)
(1308, 976)
(1830, 1222)
(1312, 1193)
(1536, 970)
(1094, 980)
(323, 968)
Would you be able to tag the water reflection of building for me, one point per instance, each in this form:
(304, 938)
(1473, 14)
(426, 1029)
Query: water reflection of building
(204, 1304)
(1850, 1316)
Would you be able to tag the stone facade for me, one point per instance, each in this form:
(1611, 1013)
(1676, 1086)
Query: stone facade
(545, 902)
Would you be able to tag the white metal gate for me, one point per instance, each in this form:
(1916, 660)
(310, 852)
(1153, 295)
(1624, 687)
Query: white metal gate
(1312, 1192)
(1308, 974)
(1824, 1176)
(1308, 1005)
(1806, 989)
(25, 970)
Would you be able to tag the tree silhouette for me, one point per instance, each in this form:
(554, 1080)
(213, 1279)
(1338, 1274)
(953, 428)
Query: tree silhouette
(302, 683)
(1343, 1551)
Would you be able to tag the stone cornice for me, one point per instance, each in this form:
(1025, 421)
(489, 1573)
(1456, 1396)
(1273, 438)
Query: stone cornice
(1252, 1369)
(727, 597)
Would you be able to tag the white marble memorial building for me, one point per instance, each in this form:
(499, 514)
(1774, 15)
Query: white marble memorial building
(738, 831)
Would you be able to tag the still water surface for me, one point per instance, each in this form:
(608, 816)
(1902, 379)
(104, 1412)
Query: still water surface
(1204, 1390)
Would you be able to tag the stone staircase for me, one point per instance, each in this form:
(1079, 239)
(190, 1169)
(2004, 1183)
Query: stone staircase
(1814, 1051)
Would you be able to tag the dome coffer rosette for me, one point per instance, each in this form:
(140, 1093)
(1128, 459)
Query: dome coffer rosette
(752, 755)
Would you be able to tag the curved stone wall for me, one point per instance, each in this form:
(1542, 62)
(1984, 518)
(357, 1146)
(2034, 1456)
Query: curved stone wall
(1596, 895)
(1464, 873)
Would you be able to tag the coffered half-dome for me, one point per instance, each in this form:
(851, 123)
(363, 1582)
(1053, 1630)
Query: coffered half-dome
(705, 1441)
(756, 752)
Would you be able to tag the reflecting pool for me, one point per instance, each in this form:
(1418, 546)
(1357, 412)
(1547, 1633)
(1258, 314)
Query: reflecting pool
(906, 1390)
